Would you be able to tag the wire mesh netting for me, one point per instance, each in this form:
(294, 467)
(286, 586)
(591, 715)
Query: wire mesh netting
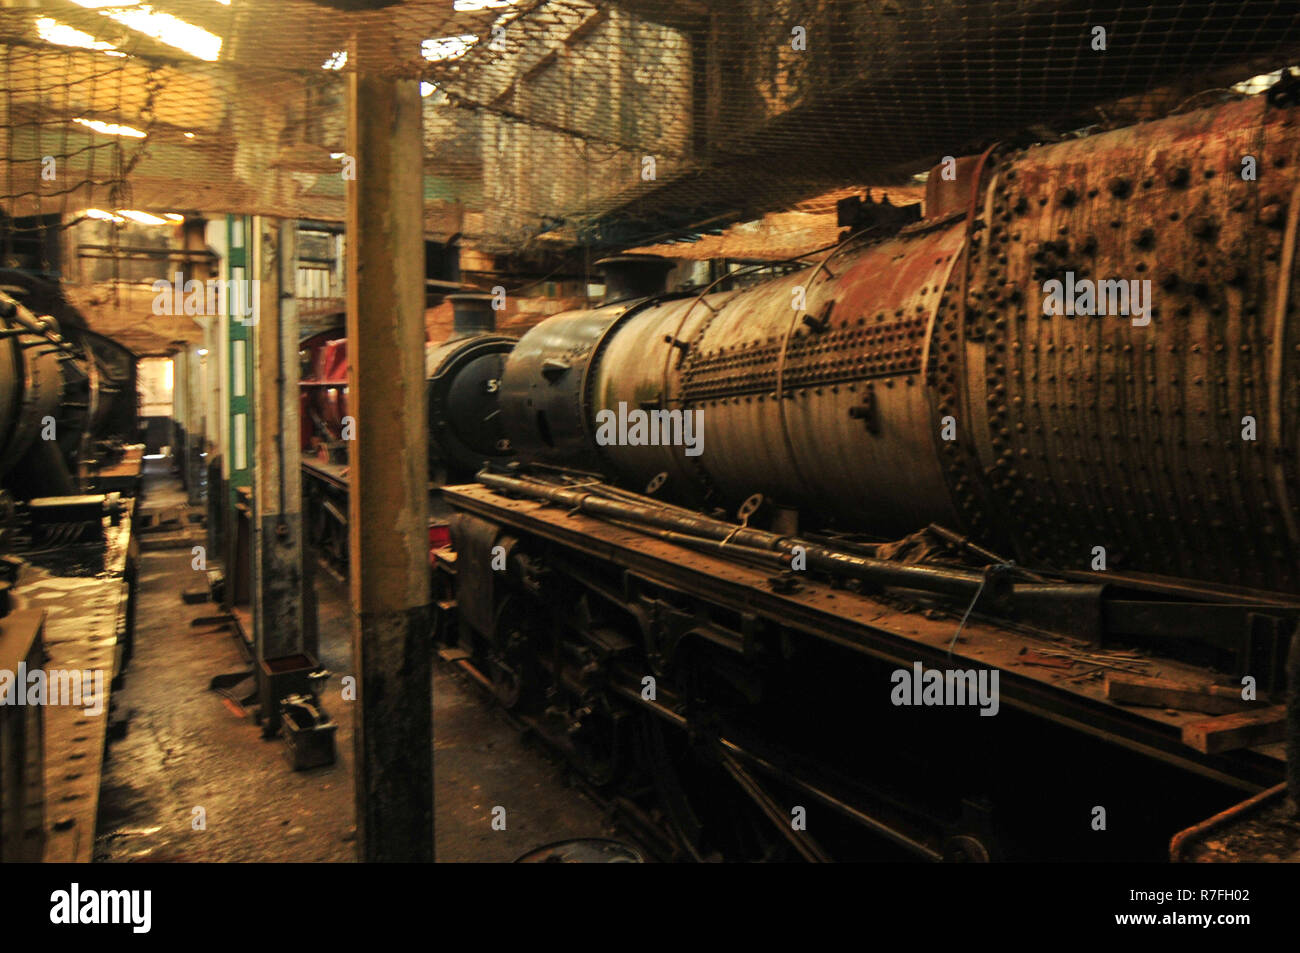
(561, 123)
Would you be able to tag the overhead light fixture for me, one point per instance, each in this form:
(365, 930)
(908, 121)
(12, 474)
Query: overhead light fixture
(203, 352)
(143, 218)
(426, 89)
(52, 31)
(336, 60)
(1257, 84)
(162, 27)
(447, 47)
(189, 135)
(337, 155)
(474, 6)
(110, 128)
(123, 215)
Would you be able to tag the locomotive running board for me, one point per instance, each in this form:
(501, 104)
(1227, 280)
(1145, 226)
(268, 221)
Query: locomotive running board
(863, 624)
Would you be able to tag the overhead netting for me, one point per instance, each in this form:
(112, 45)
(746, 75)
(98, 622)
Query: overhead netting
(563, 123)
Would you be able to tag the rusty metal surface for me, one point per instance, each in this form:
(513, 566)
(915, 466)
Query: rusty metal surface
(546, 379)
(882, 630)
(1092, 431)
(820, 406)
(1067, 432)
(1261, 829)
(640, 366)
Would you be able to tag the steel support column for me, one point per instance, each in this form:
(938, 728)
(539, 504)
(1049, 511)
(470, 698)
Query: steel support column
(388, 500)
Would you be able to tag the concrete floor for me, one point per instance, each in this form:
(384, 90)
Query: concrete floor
(480, 763)
(188, 747)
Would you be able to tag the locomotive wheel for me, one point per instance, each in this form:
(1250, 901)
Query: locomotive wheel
(965, 849)
(512, 666)
(506, 683)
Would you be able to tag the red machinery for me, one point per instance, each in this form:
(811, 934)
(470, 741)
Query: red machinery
(323, 395)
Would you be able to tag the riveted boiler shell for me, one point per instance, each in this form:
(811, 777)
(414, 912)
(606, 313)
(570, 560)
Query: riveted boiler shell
(542, 393)
(1172, 445)
(637, 367)
(1090, 431)
(730, 376)
(853, 437)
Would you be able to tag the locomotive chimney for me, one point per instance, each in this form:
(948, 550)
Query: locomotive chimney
(472, 313)
(634, 276)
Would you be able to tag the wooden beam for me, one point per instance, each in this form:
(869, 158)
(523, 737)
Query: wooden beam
(1230, 732)
(388, 460)
(1162, 693)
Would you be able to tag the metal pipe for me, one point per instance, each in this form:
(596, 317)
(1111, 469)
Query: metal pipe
(806, 847)
(729, 747)
(843, 807)
(963, 542)
(879, 572)
(1181, 841)
(764, 558)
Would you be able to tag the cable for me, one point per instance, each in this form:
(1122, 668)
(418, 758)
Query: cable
(987, 570)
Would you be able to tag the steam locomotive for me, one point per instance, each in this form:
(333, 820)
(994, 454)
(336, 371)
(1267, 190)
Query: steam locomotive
(67, 395)
(462, 375)
(936, 449)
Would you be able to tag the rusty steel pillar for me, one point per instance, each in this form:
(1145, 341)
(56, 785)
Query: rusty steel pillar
(278, 617)
(388, 475)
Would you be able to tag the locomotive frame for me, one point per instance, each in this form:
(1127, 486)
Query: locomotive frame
(584, 611)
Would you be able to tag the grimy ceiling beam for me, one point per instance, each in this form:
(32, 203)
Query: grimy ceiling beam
(388, 460)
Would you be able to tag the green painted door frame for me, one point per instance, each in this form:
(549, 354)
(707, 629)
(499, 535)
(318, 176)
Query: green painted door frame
(239, 270)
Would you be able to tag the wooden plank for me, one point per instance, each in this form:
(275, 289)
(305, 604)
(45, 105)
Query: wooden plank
(1164, 693)
(1243, 730)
